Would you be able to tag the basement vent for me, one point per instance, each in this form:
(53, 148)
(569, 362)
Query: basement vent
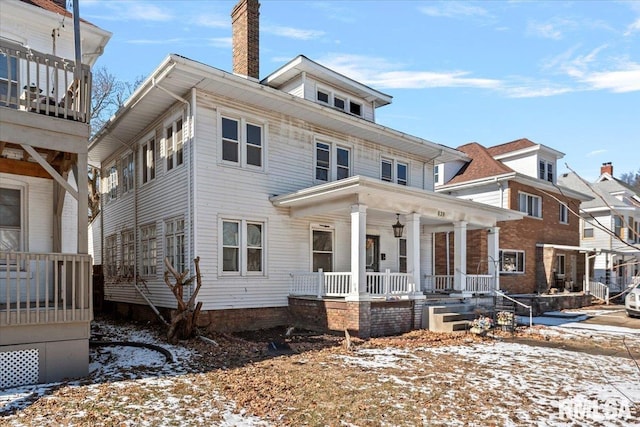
(19, 368)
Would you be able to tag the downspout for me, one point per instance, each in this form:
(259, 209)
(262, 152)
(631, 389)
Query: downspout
(155, 84)
(193, 223)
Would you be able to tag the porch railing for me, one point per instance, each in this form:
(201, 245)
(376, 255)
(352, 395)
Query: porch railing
(599, 290)
(437, 283)
(480, 283)
(42, 83)
(41, 288)
(338, 284)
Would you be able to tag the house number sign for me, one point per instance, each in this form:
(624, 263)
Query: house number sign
(440, 213)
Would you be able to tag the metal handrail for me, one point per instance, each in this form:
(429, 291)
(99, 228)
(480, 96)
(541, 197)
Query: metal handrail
(498, 293)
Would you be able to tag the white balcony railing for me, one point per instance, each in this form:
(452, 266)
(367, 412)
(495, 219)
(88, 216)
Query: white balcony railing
(45, 288)
(599, 290)
(338, 284)
(42, 83)
(480, 283)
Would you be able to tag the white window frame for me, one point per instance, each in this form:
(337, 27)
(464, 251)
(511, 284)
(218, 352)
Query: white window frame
(561, 265)
(437, 174)
(111, 255)
(563, 214)
(528, 196)
(332, 173)
(22, 233)
(518, 269)
(587, 226)
(324, 228)
(148, 156)
(243, 145)
(128, 171)
(149, 267)
(175, 243)
(242, 246)
(128, 254)
(395, 165)
(112, 182)
(333, 95)
(174, 144)
(618, 226)
(546, 170)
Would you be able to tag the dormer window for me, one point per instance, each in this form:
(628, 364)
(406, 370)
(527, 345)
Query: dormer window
(322, 96)
(355, 108)
(545, 170)
(339, 102)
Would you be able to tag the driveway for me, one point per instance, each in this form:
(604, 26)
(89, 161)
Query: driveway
(611, 315)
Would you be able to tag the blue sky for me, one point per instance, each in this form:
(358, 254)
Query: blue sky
(565, 74)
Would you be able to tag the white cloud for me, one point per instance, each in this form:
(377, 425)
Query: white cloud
(156, 41)
(453, 9)
(595, 153)
(535, 91)
(212, 21)
(633, 27)
(618, 81)
(135, 11)
(292, 33)
(552, 29)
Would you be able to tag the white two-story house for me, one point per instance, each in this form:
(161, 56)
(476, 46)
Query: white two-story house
(610, 224)
(286, 189)
(45, 270)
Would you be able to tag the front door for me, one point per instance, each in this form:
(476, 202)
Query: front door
(373, 253)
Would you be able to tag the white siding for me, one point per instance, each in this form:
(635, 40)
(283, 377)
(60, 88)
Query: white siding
(70, 219)
(95, 239)
(489, 195)
(526, 165)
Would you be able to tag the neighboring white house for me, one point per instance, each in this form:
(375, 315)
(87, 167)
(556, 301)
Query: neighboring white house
(286, 188)
(45, 271)
(610, 224)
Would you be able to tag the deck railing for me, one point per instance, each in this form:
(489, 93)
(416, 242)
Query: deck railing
(437, 283)
(480, 283)
(338, 284)
(476, 283)
(599, 290)
(43, 288)
(44, 84)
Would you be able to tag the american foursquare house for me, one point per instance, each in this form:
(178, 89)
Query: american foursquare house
(302, 209)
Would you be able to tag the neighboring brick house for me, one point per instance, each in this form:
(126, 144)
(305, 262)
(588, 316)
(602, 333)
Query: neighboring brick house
(537, 253)
(611, 223)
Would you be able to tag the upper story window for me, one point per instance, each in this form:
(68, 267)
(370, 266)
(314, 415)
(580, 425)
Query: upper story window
(340, 102)
(394, 171)
(563, 214)
(242, 142)
(437, 174)
(333, 162)
(148, 154)
(530, 204)
(11, 222)
(174, 144)
(545, 171)
(112, 182)
(617, 226)
(587, 230)
(8, 77)
(127, 173)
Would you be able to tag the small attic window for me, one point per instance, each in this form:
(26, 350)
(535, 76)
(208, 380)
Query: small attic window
(338, 102)
(322, 96)
(355, 108)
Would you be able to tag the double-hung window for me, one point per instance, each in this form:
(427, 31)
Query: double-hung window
(243, 244)
(127, 173)
(530, 204)
(587, 230)
(322, 249)
(402, 255)
(148, 153)
(545, 170)
(9, 79)
(111, 255)
(174, 243)
(617, 226)
(564, 214)
(511, 261)
(11, 222)
(128, 253)
(148, 248)
(174, 143)
(242, 142)
(560, 265)
(112, 182)
(394, 171)
(333, 161)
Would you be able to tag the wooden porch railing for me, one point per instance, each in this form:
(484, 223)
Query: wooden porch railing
(44, 84)
(338, 284)
(437, 283)
(599, 290)
(43, 288)
(480, 283)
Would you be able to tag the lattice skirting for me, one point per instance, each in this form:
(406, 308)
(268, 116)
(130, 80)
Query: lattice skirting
(19, 367)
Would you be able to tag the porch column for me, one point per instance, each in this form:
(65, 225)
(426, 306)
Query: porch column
(460, 255)
(413, 248)
(493, 252)
(83, 204)
(358, 250)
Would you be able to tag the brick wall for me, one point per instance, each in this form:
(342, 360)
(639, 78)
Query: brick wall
(244, 319)
(391, 318)
(245, 20)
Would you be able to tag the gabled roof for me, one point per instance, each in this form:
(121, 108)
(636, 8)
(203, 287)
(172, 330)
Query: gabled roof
(482, 164)
(508, 147)
(52, 6)
(602, 192)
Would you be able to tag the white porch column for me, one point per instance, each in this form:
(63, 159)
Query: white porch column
(413, 248)
(358, 251)
(460, 255)
(493, 252)
(83, 204)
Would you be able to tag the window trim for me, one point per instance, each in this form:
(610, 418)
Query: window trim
(618, 226)
(395, 165)
(111, 255)
(148, 174)
(177, 153)
(243, 121)
(561, 272)
(587, 226)
(23, 188)
(546, 170)
(516, 252)
(154, 264)
(563, 214)
(112, 181)
(523, 193)
(128, 168)
(128, 270)
(332, 94)
(322, 227)
(334, 146)
(175, 233)
(243, 246)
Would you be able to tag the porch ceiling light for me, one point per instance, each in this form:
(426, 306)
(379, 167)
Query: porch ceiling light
(397, 227)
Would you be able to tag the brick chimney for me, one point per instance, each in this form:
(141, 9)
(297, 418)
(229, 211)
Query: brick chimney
(606, 168)
(245, 27)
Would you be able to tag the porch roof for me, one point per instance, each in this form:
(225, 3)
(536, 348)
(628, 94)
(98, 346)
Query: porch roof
(622, 251)
(379, 196)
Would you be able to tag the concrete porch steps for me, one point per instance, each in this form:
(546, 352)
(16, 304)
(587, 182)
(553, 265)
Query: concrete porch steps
(449, 317)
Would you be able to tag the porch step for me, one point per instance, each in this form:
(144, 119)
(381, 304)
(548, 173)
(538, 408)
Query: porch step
(454, 317)
(449, 318)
